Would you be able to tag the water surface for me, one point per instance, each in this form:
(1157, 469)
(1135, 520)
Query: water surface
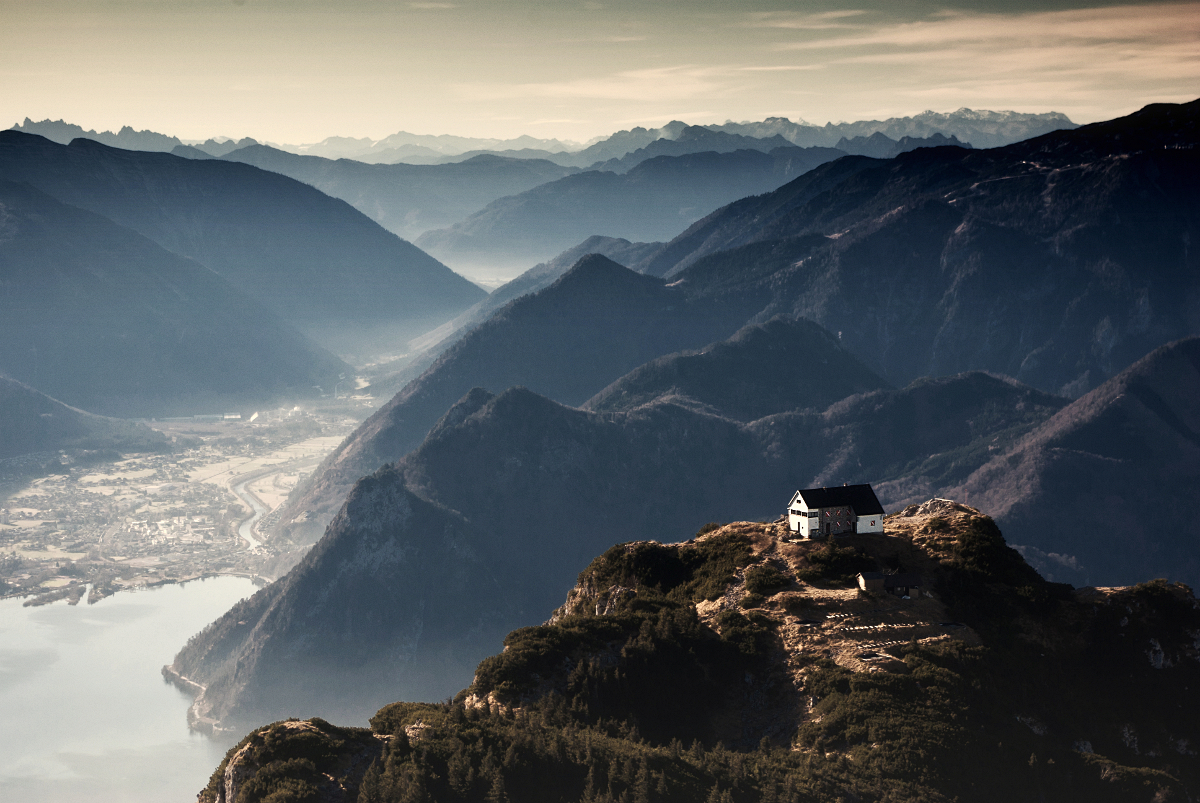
(86, 713)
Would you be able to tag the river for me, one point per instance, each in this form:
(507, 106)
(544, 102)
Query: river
(86, 713)
(246, 528)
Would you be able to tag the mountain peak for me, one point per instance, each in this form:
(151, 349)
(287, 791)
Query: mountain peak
(596, 271)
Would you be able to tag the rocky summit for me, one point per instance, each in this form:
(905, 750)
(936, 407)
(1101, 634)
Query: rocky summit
(925, 663)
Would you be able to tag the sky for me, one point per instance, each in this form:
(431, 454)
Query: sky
(297, 71)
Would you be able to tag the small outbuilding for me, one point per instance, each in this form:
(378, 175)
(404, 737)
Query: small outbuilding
(900, 585)
(824, 512)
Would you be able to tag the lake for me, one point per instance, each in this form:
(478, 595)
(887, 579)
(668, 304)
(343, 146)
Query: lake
(86, 713)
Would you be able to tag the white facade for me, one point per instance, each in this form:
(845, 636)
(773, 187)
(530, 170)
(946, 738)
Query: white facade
(870, 524)
(801, 520)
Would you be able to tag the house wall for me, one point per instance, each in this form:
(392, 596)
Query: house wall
(870, 524)
(873, 585)
(835, 520)
(798, 520)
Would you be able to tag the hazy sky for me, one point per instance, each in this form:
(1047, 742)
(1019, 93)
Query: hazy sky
(300, 70)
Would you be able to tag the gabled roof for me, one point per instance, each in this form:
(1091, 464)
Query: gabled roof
(860, 497)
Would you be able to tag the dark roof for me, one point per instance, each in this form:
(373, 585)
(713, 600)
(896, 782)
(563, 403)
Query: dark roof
(860, 497)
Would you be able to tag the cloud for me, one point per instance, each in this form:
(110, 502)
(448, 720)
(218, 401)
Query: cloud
(1148, 50)
(782, 68)
(791, 20)
(1083, 36)
(660, 84)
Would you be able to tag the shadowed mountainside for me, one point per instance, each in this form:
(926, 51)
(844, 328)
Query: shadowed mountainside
(1107, 487)
(595, 323)
(31, 422)
(653, 201)
(314, 260)
(429, 346)
(408, 199)
(1058, 261)
(763, 369)
(102, 318)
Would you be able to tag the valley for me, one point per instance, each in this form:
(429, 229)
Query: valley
(96, 528)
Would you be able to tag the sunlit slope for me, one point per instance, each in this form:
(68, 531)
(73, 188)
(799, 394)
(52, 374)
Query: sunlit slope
(738, 666)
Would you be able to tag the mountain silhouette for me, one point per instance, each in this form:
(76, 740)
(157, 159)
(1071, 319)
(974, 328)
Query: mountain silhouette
(313, 260)
(103, 319)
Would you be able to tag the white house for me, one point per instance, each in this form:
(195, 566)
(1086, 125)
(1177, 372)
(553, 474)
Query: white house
(822, 512)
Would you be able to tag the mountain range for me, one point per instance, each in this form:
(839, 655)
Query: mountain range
(102, 318)
(568, 341)
(764, 252)
(521, 489)
(652, 201)
(312, 260)
(938, 259)
(408, 199)
(1058, 261)
(983, 129)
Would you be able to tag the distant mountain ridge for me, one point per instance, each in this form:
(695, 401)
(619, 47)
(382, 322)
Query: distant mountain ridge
(881, 146)
(408, 199)
(982, 128)
(106, 320)
(126, 139)
(654, 200)
(313, 260)
(32, 422)
(691, 139)
(1059, 260)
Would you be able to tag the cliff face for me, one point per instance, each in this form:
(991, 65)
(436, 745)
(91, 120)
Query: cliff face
(789, 683)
